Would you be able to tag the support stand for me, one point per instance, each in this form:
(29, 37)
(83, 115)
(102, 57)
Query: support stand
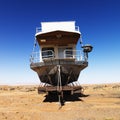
(59, 87)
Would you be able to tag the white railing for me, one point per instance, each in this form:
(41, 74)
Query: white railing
(76, 54)
(77, 28)
(39, 29)
(35, 57)
(48, 54)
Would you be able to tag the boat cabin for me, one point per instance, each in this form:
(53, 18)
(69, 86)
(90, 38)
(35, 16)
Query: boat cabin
(58, 40)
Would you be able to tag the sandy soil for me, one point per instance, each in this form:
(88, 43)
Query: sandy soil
(100, 102)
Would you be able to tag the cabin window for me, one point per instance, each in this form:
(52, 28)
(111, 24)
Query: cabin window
(69, 52)
(47, 52)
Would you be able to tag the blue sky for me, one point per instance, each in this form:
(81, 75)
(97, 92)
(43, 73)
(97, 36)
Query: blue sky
(99, 22)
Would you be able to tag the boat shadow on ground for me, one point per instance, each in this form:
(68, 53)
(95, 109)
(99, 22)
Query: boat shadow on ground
(66, 97)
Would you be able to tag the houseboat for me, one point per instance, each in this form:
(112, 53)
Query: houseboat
(58, 63)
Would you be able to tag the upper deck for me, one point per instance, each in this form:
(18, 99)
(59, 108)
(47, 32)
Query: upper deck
(46, 27)
(57, 33)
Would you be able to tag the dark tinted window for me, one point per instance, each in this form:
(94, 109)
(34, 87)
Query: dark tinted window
(47, 52)
(69, 52)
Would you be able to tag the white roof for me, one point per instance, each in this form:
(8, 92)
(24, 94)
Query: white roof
(47, 26)
(54, 26)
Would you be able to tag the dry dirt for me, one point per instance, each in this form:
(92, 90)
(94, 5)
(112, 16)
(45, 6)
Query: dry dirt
(100, 102)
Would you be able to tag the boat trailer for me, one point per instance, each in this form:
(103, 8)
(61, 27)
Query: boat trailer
(60, 90)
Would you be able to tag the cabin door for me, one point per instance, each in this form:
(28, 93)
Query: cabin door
(61, 52)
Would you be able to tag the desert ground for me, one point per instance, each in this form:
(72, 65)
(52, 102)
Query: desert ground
(99, 102)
